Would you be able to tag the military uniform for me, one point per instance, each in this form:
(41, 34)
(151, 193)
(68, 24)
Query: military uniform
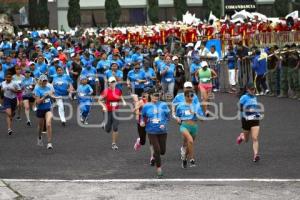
(272, 75)
(284, 87)
(292, 76)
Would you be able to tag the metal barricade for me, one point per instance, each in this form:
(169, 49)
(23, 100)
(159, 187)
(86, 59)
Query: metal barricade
(245, 72)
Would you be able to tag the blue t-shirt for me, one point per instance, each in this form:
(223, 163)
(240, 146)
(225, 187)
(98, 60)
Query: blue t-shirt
(90, 73)
(168, 77)
(51, 71)
(48, 55)
(260, 65)
(158, 63)
(42, 67)
(103, 65)
(149, 74)
(61, 84)
(41, 92)
(156, 117)
(193, 69)
(137, 57)
(189, 111)
(118, 74)
(128, 60)
(249, 107)
(231, 57)
(28, 86)
(134, 76)
(2, 75)
(84, 93)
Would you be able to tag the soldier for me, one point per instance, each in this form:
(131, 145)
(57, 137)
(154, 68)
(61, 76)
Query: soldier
(273, 62)
(284, 74)
(293, 65)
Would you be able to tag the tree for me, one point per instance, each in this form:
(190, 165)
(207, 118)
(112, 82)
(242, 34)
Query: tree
(214, 6)
(280, 7)
(180, 7)
(73, 15)
(33, 13)
(112, 12)
(153, 11)
(43, 14)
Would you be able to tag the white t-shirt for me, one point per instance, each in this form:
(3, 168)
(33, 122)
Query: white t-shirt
(8, 87)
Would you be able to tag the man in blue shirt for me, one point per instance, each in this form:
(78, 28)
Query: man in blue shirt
(260, 68)
(62, 84)
(136, 80)
(91, 73)
(118, 74)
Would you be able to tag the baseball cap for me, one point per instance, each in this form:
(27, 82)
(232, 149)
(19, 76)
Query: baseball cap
(190, 45)
(31, 63)
(159, 51)
(59, 48)
(83, 77)
(188, 85)
(250, 86)
(112, 79)
(204, 64)
(43, 77)
(175, 58)
(55, 59)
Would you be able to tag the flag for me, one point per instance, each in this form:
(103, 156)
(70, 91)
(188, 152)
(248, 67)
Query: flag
(294, 15)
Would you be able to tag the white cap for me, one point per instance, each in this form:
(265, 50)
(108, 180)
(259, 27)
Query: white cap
(175, 58)
(31, 63)
(72, 55)
(188, 84)
(25, 39)
(204, 64)
(59, 48)
(190, 45)
(112, 79)
(55, 59)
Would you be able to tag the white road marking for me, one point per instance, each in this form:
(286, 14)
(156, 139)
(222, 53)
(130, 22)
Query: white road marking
(150, 180)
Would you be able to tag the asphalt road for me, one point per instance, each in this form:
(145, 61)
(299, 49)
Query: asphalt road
(85, 153)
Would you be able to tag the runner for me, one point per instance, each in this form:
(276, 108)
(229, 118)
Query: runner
(141, 140)
(155, 116)
(43, 93)
(62, 84)
(168, 78)
(180, 98)
(204, 77)
(112, 97)
(10, 89)
(28, 85)
(187, 113)
(250, 120)
(84, 93)
(18, 78)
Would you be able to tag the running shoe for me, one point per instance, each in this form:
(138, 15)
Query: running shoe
(28, 123)
(256, 158)
(240, 139)
(137, 145)
(44, 132)
(114, 147)
(63, 123)
(192, 163)
(182, 153)
(10, 132)
(184, 164)
(86, 122)
(40, 142)
(18, 118)
(159, 174)
(49, 146)
(152, 161)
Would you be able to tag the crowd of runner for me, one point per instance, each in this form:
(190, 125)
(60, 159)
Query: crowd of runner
(40, 71)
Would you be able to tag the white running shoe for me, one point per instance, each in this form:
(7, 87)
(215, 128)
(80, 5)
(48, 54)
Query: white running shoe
(114, 146)
(49, 146)
(137, 145)
(34, 108)
(40, 142)
(182, 153)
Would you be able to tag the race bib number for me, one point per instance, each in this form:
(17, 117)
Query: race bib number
(168, 79)
(155, 121)
(90, 78)
(147, 83)
(47, 100)
(114, 104)
(187, 112)
(81, 94)
(136, 83)
(60, 83)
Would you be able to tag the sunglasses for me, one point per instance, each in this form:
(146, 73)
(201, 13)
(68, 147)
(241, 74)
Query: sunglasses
(191, 95)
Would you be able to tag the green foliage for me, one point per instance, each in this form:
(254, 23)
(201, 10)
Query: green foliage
(180, 7)
(281, 8)
(214, 6)
(43, 14)
(112, 12)
(73, 15)
(153, 11)
(33, 13)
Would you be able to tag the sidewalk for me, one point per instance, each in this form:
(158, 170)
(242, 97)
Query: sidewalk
(166, 190)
